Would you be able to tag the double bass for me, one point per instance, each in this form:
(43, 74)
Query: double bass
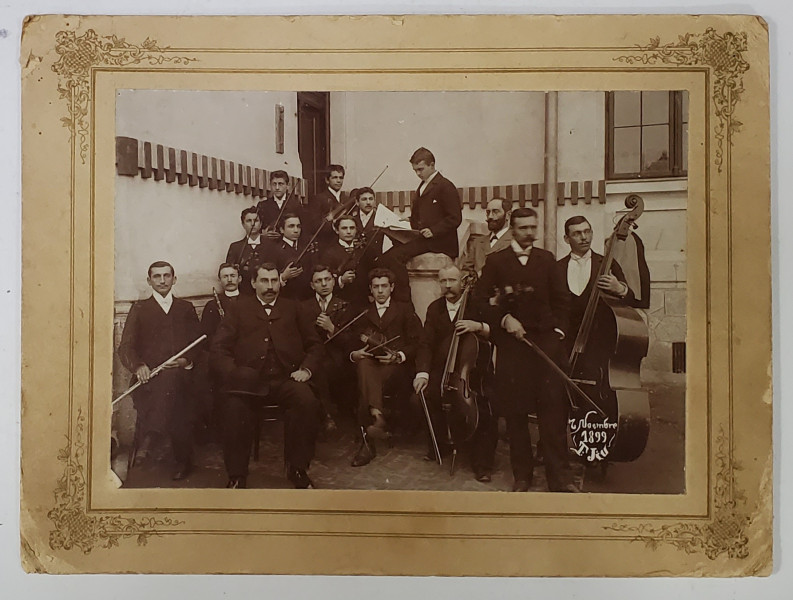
(605, 360)
(461, 385)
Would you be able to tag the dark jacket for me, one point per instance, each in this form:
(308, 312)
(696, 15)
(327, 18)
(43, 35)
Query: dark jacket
(298, 288)
(247, 334)
(398, 320)
(242, 254)
(437, 335)
(268, 211)
(438, 209)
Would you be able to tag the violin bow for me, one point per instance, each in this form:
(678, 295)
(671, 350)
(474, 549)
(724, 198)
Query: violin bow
(384, 346)
(431, 428)
(350, 322)
(272, 226)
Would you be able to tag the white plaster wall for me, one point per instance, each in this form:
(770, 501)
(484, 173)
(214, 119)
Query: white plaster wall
(582, 136)
(478, 138)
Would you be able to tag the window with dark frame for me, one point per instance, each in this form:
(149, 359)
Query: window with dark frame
(647, 134)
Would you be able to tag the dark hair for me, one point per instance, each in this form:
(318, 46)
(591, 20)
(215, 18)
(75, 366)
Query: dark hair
(364, 190)
(267, 266)
(319, 269)
(279, 175)
(338, 221)
(422, 155)
(337, 168)
(506, 204)
(228, 266)
(381, 272)
(286, 216)
(521, 213)
(248, 211)
(158, 264)
(576, 220)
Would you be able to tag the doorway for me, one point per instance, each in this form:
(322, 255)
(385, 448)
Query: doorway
(313, 137)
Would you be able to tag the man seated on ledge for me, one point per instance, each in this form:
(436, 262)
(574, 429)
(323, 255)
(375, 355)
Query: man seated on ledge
(268, 346)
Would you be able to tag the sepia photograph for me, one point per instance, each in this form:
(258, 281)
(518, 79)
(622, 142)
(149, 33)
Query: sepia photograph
(371, 290)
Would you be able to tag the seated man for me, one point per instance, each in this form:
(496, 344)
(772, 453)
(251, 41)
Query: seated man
(295, 269)
(442, 323)
(329, 313)
(250, 250)
(267, 345)
(386, 336)
(156, 329)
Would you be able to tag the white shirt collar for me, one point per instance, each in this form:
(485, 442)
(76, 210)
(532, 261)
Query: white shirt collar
(586, 256)
(499, 234)
(424, 184)
(280, 202)
(263, 303)
(454, 305)
(518, 250)
(320, 299)
(255, 241)
(164, 302)
(335, 194)
(344, 244)
(288, 241)
(384, 305)
(232, 294)
(364, 217)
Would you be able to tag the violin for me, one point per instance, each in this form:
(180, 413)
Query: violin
(605, 361)
(376, 344)
(461, 383)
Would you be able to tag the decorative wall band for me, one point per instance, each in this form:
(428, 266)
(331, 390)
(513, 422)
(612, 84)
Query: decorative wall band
(522, 194)
(158, 162)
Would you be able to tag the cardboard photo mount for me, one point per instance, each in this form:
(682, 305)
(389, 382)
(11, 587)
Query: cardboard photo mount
(74, 520)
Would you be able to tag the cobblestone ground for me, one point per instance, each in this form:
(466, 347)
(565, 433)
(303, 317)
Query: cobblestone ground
(401, 466)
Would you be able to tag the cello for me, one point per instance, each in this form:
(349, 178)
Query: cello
(461, 385)
(605, 360)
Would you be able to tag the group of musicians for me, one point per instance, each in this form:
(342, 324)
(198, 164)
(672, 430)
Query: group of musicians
(314, 314)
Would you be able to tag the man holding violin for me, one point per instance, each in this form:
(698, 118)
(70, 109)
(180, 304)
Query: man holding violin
(526, 304)
(388, 335)
(442, 323)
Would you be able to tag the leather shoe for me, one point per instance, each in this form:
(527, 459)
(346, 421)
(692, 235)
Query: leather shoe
(483, 476)
(366, 452)
(521, 485)
(299, 478)
(237, 483)
(182, 471)
(378, 429)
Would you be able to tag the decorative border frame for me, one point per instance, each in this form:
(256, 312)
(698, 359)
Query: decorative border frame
(722, 54)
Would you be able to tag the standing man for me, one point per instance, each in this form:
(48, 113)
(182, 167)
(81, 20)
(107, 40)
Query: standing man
(267, 345)
(348, 262)
(436, 213)
(156, 329)
(295, 277)
(579, 268)
(499, 236)
(250, 250)
(443, 322)
(523, 294)
(271, 208)
(325, 202)
(386, 319)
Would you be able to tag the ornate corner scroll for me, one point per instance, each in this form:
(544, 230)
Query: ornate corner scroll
(78, 55)
(724, 533)
(73, 527)
(724, 55)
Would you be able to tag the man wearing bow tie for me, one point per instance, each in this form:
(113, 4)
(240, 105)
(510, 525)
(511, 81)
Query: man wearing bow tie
(267, 345)
(295, 275)
(537, 308)
(436, 213)
(250, 250)
(579, 269)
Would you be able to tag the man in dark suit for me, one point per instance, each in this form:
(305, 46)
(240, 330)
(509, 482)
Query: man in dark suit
(436, 213)
(156, 329)
(325, 202)
(295, 274)
(250, 250)
(378, 365)
(579, 268)
(268, 345)
(348, 261)
(330, 312)
(272, 208)
(531, 301)
(443, 322)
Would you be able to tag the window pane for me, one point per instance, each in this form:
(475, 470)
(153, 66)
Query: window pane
(627, 108)
(627, 155)
(684, 166)
(655, 108)
(685, 105)
(655, 149)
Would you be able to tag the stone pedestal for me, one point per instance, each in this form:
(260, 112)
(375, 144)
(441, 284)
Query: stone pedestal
(424, 287)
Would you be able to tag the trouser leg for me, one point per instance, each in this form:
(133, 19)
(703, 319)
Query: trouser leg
(301, 421)
(485, 439)
(238, 426)
(520, 446)
(552, 417)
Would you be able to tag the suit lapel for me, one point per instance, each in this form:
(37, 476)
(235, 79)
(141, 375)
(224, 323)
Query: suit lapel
(388, 316)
